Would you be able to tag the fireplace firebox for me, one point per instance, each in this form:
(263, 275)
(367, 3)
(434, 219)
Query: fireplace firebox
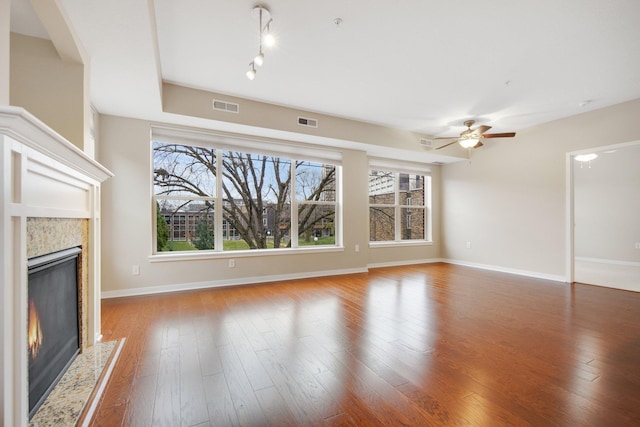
(53, 327)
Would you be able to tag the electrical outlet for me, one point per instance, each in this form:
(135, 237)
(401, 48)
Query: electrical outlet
(232, 263)
(135, 270)
(637, 245)
(357, 248)
(468, 245)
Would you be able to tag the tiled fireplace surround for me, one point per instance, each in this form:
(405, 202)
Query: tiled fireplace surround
(46, 235)
(50, 201)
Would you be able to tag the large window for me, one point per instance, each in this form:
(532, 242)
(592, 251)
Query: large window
(398, 206)
(227, 200)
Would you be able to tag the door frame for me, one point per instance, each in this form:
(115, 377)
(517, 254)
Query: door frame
(569, 202)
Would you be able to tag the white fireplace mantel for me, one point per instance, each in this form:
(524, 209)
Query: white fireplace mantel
(41, 175)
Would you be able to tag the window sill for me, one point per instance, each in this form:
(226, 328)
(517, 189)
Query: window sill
(375, 245)
(206, 255)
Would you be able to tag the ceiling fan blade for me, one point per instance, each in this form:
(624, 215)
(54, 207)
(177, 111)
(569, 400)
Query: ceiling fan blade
(478, 145)
(445, 137)
(446, 145)
(499, 135)
(480, 130)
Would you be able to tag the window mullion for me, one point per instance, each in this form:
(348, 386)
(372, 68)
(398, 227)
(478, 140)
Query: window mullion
(338, 207)
(398, 211)
(397, 231)
(294, 206)
(428, 230)
(218, 212)
(154, 222)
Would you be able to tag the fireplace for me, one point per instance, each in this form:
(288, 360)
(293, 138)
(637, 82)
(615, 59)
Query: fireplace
(53, 322)
(49, 186)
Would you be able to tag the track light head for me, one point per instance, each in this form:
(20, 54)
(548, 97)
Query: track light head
(251, 74)
(259, 59)
(269, 39)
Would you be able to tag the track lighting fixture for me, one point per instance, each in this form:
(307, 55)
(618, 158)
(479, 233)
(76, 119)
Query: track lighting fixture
(266, 38)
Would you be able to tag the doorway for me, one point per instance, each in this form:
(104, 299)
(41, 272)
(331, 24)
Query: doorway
(604, 216)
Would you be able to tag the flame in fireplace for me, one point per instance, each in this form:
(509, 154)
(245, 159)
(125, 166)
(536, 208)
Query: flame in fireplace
(35, 330)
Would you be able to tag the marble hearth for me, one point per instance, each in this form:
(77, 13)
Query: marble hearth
(50, 201)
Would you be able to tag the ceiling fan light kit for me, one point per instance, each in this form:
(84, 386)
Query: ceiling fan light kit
(469, 142)
(472, 138)
(266, 38)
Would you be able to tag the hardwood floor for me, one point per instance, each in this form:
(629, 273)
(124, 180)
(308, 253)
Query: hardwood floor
(424, 345)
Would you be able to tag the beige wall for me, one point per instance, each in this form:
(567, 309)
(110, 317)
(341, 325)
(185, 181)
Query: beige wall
(198, 103)
(5, 38)
(48, 87)
(509, 200)
(127, 232)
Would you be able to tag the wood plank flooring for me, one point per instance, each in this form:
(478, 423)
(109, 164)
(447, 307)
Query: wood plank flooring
(423, 345)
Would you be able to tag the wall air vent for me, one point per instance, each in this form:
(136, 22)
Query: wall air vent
(426, 143)
(304, 121)
(229, 107)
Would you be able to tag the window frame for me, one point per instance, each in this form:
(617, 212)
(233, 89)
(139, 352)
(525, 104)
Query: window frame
(224, 142)
(399, 168)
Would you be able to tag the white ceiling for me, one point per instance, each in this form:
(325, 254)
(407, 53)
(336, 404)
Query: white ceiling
(420, 65)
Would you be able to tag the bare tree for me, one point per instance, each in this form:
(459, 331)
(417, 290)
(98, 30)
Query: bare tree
(250, 184)
(308, 189)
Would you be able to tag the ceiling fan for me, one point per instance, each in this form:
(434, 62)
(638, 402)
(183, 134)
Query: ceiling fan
(472, 138)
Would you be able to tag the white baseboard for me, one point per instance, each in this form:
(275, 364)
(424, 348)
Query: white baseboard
(534, 274)
(276, 278)
(609, 261)
(405, 262)
(219, 283)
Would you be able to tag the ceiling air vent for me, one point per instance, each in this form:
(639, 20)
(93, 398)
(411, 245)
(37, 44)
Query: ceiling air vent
(229, 107)
(426, 143)
(304, 121)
